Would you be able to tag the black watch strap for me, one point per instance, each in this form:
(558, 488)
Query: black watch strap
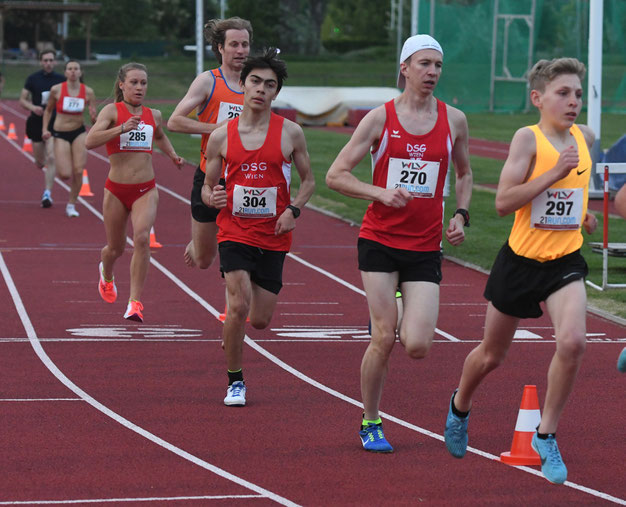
(465, 214)
(295, 210)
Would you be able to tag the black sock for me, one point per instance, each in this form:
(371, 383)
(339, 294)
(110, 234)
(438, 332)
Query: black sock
(456, 411)
(544, 436)
(235, 376)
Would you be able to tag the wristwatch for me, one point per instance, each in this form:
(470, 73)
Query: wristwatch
(295, 210)
(465, 214)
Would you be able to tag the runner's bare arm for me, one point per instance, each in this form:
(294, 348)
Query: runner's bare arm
(26, 101)
(47, 113)
(162, 141)
(514, 191)
(195, 97)
(91, 104)
(214, 194)
(591, 222)
(455, 233)
(340, 178)
(300, 156)
(104, 129)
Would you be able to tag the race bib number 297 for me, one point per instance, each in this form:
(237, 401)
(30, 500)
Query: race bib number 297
(557, 209)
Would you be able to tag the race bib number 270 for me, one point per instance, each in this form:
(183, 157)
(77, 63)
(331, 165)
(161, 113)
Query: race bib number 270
(418, 177)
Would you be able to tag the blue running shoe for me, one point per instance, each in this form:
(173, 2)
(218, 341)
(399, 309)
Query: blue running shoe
(621, 361)
(236, 394)
(373, 438)
(456, 432)
(552, 464)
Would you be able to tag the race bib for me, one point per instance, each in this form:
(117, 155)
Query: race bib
(138, 139)
(557, 209)
(254, 202)
(44, 97)
(228, 111)
(73, 104)
(419, 177)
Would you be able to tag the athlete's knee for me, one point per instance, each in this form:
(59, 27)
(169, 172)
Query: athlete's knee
(204, 261)
(260, 321)
(238, 310)
(417, 350)
(571, 345)
(141, 239)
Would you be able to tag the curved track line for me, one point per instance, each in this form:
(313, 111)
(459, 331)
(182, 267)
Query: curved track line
(45, 359)
(311, 381)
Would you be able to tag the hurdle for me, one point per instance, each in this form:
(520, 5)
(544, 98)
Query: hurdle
(607, 168)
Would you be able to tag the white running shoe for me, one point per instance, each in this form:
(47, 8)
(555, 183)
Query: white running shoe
(236, 394)
(70, 210)
(46, 199)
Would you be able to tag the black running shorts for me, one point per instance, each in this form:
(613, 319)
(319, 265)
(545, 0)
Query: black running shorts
(518, 284)
(411, 266)
(200, 211)
(265, 266)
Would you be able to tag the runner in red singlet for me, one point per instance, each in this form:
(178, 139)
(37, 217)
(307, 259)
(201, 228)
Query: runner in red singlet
(70, 99)
(257, 214)
(128, 129)
(411, 139)
(217, 98)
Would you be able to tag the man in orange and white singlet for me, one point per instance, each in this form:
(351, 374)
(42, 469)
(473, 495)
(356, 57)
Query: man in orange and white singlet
(545, 182)
(248, 178)
(217, 98)
(411, 139)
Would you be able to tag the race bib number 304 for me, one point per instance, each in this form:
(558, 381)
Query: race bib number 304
(228, 111)
(557, 209)
(254, 202)
(418, 177)
(138, 139)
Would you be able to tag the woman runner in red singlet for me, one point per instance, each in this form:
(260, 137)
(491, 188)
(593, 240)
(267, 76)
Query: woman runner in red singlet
(128, 129)
(70, 99)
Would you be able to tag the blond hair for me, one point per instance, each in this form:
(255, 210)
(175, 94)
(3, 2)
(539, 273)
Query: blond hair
(121, 77)
(546, 71)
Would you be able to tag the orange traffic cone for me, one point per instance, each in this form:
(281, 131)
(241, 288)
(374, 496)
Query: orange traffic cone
(85, 190)
(528, 419)
(2, 127)
(223, 315)
(12, 134)
(153, 242)
(28, 145)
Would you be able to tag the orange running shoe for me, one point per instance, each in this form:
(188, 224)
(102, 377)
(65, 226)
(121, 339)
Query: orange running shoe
(133, 311)
(107, 290)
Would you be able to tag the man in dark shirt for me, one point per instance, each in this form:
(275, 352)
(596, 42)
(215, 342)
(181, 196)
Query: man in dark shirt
(34, 98)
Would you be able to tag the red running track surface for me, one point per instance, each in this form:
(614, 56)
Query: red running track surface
(96, 408)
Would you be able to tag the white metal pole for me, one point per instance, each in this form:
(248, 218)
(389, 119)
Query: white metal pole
(414, 16)
(399, 31)
(594, 73)
(222, 9)
(199, 36)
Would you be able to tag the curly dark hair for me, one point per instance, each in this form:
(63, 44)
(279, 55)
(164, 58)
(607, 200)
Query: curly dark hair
(267, 60)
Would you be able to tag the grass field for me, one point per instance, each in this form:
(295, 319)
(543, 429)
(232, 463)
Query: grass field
(169, 80)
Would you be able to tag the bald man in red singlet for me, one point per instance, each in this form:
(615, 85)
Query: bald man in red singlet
(217, 98)
(257, 213)
(411, 139)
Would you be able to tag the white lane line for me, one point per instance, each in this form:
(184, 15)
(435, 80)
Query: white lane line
(146, 499)
(11, 400)
(45, 359)
(322, 387)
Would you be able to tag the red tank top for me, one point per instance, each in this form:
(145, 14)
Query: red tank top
(418, 163)
(71, 105)
(223, 103)
(132, 141)
(257, 185)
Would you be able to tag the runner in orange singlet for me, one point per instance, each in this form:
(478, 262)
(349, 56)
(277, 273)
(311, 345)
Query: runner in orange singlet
(216, 96)
(545, 182)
